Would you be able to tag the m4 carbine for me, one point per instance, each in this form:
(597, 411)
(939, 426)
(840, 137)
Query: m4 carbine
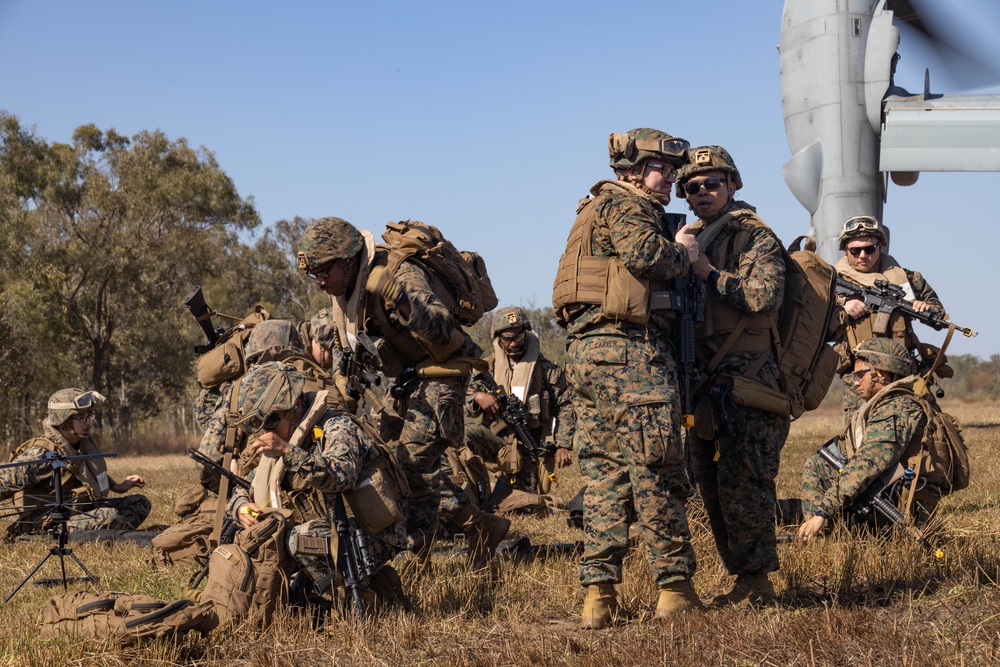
(885, 298)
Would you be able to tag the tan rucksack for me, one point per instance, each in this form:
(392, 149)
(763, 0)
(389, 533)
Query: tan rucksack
(225, 360)
(460, 277)
(248, 580)
(122, 618)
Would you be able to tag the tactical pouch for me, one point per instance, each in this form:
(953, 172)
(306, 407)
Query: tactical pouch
(626, 297)
(375, 501)
(752, 394)
(223, 362)
(704, 419)
(509, 459)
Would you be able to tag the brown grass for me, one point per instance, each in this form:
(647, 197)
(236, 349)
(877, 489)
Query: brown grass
(845, 600)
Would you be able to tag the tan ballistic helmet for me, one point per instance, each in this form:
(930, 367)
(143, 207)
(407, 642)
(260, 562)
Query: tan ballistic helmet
(265, 391)
(510, 317)
(708, 158)
(863, 225)
(885, 354)
(644, 143)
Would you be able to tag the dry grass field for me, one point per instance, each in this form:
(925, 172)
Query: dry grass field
(845, 600)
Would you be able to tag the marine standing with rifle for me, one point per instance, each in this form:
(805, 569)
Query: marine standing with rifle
(734, 450)
(414, 326)
(610, 295)
(864, 241)
(525, 375)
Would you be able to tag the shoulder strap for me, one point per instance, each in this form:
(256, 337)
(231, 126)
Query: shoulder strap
(227, 460)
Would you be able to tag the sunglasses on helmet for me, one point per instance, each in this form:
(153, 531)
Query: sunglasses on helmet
(85, 401)
(711, 184)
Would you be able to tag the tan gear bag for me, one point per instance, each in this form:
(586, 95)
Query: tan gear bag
(225, 360)
(123, 619)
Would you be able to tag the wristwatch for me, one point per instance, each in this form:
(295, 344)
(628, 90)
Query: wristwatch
(713, 278)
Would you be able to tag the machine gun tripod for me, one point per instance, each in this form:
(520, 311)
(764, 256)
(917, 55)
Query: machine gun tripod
(59, 512)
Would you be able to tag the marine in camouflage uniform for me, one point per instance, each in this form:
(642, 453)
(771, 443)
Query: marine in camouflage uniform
(864, 241)
(411, 325)
(734, 451)
(620, 366)
(85, 485)
(328, 459)
(882, 429)
(521, 370)
(318, 339)
(268, 340)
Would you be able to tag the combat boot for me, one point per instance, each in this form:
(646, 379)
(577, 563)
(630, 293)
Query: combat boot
(754, 589)
(677, 597)
(599, 606)
(484, 533)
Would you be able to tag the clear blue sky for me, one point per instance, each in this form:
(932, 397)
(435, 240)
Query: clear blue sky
(489, 120)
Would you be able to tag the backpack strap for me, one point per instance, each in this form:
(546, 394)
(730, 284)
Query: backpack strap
(227, 460)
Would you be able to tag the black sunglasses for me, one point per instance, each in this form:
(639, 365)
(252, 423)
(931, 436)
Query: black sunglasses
(711, 184)
(867, 249)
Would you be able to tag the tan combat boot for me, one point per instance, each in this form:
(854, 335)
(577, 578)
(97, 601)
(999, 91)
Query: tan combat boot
(599, 606)
(484, 533)
(754, 589)
(677, 597)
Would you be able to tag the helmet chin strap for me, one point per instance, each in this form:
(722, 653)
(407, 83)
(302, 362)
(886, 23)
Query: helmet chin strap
(637, 182)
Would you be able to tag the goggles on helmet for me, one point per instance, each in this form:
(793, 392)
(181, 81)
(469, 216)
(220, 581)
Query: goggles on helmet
(673, 148)
(90, 400)
(864, 223)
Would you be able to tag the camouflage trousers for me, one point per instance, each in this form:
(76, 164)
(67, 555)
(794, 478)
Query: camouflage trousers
(120, 513)
(630, 451)
(487, 445)
(433, 420)
(735, 478)
(852, 400)
(818, 477)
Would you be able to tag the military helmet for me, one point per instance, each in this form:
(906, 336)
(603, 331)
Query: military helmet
(863, 225)
(271, 333)
(265, 391)
(644, 143)
(708, 158)
(67, 402)
(885, 354)
(321, 327)
(510, 317)
(328, 239)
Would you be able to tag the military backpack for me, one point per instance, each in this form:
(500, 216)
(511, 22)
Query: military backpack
(226, 359)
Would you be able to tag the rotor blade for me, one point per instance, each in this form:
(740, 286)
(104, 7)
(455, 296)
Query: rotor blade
(948, 39)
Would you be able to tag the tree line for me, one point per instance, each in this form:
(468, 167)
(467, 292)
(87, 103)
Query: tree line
(102, 238)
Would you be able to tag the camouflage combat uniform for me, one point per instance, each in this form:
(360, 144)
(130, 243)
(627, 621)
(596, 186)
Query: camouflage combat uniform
(899, 327)
(624, 378)
(735, 472)
(92, 508)
(549, 403)
(326, 465)
(878, 443)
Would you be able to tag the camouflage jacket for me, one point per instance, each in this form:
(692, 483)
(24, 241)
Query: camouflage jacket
(632, 228)
(892, 425)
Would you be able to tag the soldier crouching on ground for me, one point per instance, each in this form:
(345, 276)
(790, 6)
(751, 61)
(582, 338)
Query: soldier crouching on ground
(521, 370)
(309, 453)
(734, 461)
(620, 364)
(85, 484)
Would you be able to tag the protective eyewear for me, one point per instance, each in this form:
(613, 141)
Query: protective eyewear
(673, 148)
(864, 223)
(90, 400)
(512, 336)
(860, 374)
(867, 249)
(323, 271)
(711, 185)
(84, 417)
(666, 170)
(260, 417)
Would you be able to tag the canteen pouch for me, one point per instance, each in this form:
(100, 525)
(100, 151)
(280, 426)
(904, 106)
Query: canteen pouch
(752, 394)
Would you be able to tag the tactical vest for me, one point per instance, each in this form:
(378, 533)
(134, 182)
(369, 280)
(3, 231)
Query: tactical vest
(723, 240)
(873, 324)
(584, 279)
(536, 400)
(80, 482)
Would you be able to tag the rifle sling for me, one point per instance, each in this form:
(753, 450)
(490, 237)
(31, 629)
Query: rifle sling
(227, 460)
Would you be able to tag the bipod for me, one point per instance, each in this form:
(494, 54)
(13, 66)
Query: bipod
(60, 515)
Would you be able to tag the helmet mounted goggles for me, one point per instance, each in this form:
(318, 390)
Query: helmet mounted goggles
(89, 400)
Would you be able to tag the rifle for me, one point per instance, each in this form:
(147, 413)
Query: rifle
(228, 474)
(195, 302)
(360, 366)
(687, 298)
(354, 558)
(885, 298)
(873, 498)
